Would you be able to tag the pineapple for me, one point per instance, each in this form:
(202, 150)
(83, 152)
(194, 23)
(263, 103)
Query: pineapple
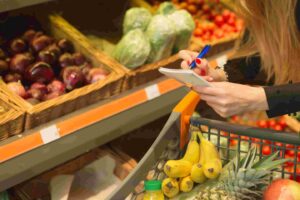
(240, 179)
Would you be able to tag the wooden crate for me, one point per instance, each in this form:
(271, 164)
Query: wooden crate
(78, 98)
(11, 117)
(113, 32)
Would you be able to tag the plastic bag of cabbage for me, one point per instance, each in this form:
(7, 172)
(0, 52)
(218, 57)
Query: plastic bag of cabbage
(161, 34)
(166, 8)
(133, 49)
(136, 18)
(184, 25)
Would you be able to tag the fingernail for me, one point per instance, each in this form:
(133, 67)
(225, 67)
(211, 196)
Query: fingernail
(198, 61)
(203, 72)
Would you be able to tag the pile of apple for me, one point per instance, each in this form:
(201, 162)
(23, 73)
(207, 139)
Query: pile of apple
(213, 21)
(38, 68)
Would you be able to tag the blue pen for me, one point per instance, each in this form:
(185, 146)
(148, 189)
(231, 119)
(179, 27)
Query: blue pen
(200, 55)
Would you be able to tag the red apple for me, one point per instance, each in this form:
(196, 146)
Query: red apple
(78, 59)
(47, 57)
(282, 189)
(35, 93)
(39, 86)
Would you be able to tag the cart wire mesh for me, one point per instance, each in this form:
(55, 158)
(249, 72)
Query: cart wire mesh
(234, 140)
(230, 139)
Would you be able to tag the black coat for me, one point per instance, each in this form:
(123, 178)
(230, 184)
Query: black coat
(282, 99)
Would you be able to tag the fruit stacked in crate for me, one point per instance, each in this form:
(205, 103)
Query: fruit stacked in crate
(50, 70)
(37, 67)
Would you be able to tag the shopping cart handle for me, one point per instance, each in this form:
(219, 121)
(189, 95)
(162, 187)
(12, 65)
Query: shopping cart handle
(186, 108)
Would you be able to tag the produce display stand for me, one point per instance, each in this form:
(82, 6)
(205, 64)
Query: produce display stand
(177, 128)
(75, 99)
(25, 156)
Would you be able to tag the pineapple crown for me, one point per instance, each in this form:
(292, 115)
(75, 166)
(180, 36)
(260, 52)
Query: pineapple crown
(246, 178)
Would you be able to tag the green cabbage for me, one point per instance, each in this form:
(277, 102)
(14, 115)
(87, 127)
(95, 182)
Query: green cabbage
(161, 33)
(136, 18)
(185, 26)
(166, 8)
(133, 49)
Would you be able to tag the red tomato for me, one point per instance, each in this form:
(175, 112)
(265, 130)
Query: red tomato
(206, 8)
(232, 16)
(256, 140)
(198, 32)
(290, 153)
(266, 150)
(235, 118)
(278, 127)
(226, 14)
(231, 22)
(206, 36)
(262, 124)
(245, 137)
(290, 162)
(233, 142)
(271, 123)
(219, 20)
(282, 122)
(297, 178)
(199, 2)
(289, 146)
(212, 15)
(278, 144)
(219, 33)
(211, 27)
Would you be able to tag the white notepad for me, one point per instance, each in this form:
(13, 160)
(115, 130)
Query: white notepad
(185, 76)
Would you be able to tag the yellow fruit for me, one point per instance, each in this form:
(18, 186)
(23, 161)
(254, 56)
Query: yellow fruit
(212, 168)
(193, 150)
(170, 187)
(186, 184)
(177, 168)
(197, 173)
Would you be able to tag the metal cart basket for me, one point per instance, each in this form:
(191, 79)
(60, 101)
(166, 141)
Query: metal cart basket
(174, 136)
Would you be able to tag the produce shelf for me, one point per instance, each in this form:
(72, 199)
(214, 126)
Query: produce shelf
(25, 156)
(7, 5)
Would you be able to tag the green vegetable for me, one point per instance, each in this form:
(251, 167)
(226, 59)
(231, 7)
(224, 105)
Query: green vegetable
(136, 18)
(161, 33)
(185, 26)
(133, 49)
(166, 8)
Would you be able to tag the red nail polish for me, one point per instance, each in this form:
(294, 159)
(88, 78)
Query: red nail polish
(198, 61)
(203, 72)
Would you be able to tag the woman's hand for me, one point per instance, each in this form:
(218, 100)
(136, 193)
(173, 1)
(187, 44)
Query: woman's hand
(202, 68)
(229, 99)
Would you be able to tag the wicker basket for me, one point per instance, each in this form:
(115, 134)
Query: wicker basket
(112, 32)
(11, 117)
(78, 98)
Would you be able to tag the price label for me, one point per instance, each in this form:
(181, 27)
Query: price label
(49, 134)
(221, 61)
(152, 91)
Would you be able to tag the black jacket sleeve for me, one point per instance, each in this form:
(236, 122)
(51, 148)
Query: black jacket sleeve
(283, 99)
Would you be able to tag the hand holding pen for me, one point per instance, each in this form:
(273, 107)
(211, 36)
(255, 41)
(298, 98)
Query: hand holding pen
(195, 62)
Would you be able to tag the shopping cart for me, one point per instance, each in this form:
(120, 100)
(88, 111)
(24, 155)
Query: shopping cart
(174, 136)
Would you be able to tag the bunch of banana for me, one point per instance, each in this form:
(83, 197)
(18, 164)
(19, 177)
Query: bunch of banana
(200, 162)
(210, 164)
